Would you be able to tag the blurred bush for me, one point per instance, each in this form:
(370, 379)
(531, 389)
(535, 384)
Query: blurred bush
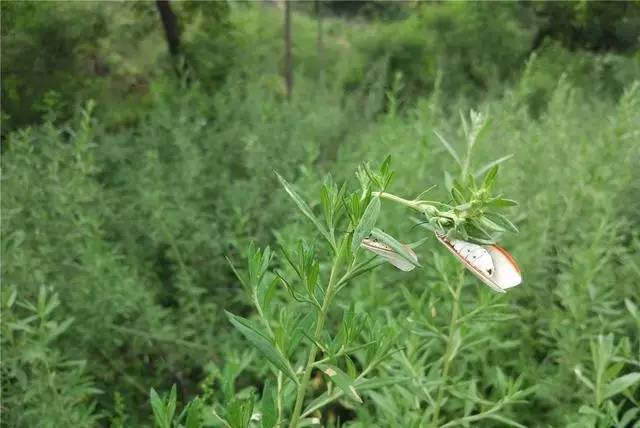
(117, 214)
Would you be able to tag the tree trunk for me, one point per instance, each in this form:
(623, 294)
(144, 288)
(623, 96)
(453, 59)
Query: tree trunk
(170, 25)
(319, 42)
(288, 61)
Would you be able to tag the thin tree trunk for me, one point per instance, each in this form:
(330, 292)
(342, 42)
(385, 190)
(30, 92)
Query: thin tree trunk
(170, 25)
(288, 61)
(319, 41)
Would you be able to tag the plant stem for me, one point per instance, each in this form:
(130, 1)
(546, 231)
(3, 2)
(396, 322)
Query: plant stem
(279, 399)
(394, 198)
(448, 357)
(302, 388)
(425, 207)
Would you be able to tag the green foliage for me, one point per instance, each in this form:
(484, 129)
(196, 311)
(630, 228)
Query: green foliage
(591, 25)
(45, 47)
(120, 217)
(42, 385)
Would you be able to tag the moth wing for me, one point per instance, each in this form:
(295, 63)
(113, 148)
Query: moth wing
(506, 271)
(389, 255)
(477, 272)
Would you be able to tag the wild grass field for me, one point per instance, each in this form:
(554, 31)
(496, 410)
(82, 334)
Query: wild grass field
(180, 239)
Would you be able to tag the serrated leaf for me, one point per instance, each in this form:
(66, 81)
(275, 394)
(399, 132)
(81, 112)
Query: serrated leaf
(620, 384)
(306, 210)
(263, 344)
(341, 379)
(366, 224)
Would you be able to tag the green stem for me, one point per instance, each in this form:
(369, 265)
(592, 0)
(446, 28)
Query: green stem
(398, 199)
(426, 207)
(322, 315)
(447, 355)
(279, 399)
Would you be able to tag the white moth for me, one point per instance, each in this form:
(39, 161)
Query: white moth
(491, 264)
(387, 253)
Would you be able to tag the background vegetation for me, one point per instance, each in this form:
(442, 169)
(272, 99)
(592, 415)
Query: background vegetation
(130, 172)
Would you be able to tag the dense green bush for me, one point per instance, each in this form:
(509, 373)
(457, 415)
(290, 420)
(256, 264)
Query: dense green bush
(46, 48)
(116, 222)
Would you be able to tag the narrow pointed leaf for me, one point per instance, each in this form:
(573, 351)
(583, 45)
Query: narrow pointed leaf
(491, 164)
(269, 406)
(620, 384)
(194, 414)
(502, 202)
(341, 379)
(306, 210)
(401, 249)
(263, 344)
(366, 224)
(490, 178)
(159, 411)
(449, 147)
(501, 221)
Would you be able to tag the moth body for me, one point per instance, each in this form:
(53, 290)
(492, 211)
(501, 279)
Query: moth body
(387, 253)
(475, 255)
(493, 265)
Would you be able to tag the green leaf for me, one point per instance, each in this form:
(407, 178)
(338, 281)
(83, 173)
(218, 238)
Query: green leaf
(620, 384)
(269, 406)
(171, 405)
(506, 421)
(266, 292)
(194, 414)
(159, 411)
(457, 195)
(501, 221)
(490, 225)
(238, 275)
(502, 202)
(401, 255)
(362, 384)
(306, 210)
(449, 147)
(629, 416)
(366, 224)
(490, 178)
(341, 379)
(239, 412)
(491, 164)
(263, 344)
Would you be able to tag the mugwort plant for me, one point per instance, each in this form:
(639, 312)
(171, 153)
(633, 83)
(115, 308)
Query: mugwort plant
(294, 335)
(292, 330)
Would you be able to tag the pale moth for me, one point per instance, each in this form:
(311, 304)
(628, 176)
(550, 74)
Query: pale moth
(493, 265)
(387, 253)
